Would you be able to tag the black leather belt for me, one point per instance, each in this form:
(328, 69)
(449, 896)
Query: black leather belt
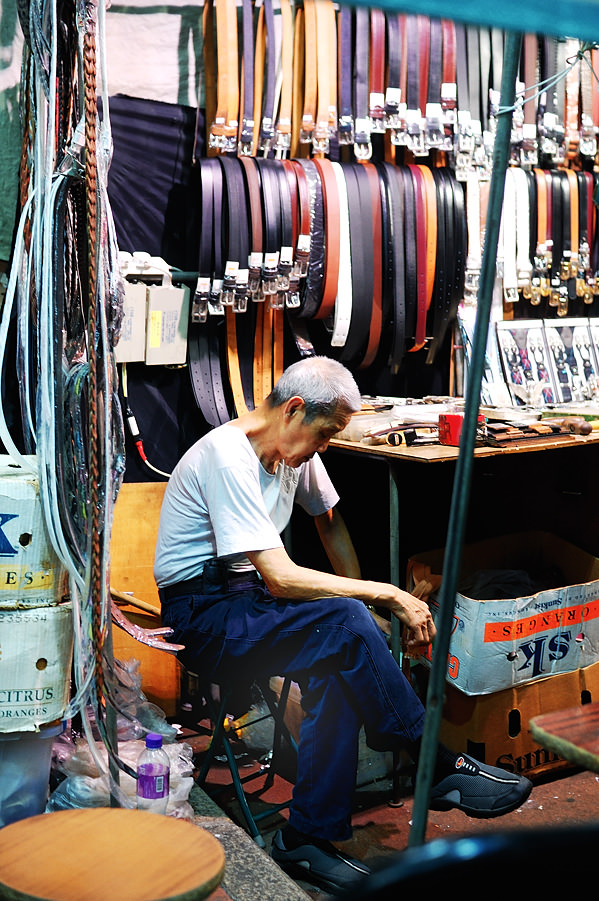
(203, 339)
(196, 585)
(395, 270)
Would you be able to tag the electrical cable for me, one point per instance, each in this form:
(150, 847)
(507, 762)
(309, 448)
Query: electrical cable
(134, 428)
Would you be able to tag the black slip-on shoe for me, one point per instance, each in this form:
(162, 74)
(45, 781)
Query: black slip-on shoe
(479, 790)
(322, 864)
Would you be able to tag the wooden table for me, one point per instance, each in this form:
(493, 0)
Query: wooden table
(108, 854)
(439, 453)
(572, 733)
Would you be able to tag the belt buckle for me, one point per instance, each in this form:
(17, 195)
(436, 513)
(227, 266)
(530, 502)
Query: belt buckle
(362, 142)
(227, 294)
(267, 136)
(282, 143)
(376, 113)
(302, 256)
(320, 139)
(306, 129)
(284, 268)
(215, 306)
(245, 146)
(269, 272)
(240, 301)
(345, 130)
(199, 304)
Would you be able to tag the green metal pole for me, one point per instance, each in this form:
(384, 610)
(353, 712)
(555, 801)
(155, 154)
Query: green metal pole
(461, 487)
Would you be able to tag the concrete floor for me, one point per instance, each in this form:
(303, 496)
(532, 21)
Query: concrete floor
(567, 799)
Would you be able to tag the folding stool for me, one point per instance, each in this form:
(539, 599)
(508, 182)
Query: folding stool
(218, 708)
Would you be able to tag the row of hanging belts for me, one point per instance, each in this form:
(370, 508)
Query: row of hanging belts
(371, 255)
(303, 79)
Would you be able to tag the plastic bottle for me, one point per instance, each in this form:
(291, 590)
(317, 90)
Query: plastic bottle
(153, 770)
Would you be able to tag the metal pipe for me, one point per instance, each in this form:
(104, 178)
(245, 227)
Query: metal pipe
(461, 486)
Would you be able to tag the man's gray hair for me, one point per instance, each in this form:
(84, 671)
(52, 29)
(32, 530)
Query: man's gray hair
(324, 384)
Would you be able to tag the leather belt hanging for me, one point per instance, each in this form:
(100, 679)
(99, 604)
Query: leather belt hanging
(330, 197)
(345, 131)
(376, 76)
(376, 317)
(310, 72)
(572, 91)
(360, 229)
(238, 250)
(283, 128)
(361, 73)
(343, 301)
(203, 341)
(395, 269)
(326, 107)
(420, 200)
(246, 129)
(410, 250)
(223, 131)
(312, 293)
(209, 44)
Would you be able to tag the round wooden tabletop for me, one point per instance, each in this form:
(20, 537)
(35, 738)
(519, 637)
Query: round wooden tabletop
(108, 853)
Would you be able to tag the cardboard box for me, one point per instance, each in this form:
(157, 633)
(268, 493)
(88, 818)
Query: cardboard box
(36, 648)
(494, 728)
(30, 573)
(499, 643)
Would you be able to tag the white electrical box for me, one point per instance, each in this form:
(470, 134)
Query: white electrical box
(166, 325)
(131, 347)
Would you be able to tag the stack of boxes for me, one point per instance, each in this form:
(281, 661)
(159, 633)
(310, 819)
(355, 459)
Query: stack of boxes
(513, 658)
(36, 643)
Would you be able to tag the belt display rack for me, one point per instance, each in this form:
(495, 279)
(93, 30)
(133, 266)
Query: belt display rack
(345, 181)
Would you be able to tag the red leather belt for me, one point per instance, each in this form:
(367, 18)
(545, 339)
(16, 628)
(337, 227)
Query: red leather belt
(330, 196)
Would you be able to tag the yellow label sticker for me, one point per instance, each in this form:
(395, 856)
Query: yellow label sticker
(18, 578)
(155, 328)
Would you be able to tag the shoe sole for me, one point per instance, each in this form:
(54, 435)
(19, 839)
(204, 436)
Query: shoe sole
(476, 813)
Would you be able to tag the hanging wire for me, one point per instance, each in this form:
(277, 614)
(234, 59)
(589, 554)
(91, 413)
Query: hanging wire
(542, 87)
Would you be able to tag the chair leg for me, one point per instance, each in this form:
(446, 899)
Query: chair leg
(221, 739)
(281, 731)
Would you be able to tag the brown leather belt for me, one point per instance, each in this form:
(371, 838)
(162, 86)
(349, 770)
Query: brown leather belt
(376, 316)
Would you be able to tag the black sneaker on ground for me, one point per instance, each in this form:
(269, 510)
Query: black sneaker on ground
(319, 862)
(479, 790)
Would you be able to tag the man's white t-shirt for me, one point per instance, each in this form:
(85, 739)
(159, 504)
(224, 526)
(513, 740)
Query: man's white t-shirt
(221, 502)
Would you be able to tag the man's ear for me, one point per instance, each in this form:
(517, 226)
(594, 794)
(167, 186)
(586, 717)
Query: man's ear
(294, 405)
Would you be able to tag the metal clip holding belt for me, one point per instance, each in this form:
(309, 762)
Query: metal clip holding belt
(240, 295)
(227, 295)
(199, 304)
(416, 134)
(215, 306)
(587, 145)
(245, 146)
(392, 119)
(362, 141)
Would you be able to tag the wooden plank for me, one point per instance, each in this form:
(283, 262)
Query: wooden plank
(134, 531)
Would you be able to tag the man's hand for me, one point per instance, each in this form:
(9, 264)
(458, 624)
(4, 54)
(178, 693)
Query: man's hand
(415, 615)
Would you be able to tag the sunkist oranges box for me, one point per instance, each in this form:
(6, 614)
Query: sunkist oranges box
(36, 624)
(504, 641)
(30, 572)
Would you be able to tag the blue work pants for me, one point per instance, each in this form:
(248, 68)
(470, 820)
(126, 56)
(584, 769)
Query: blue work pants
(334, 650)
